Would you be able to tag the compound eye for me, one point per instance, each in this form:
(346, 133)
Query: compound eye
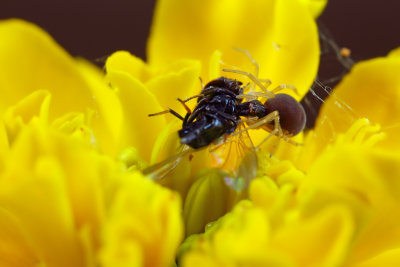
(292, 117)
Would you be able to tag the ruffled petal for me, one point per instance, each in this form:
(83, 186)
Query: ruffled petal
(366, 181)
(207, 200)
(14, 247)
(369, 96)
(43, 219)
(35, 105)
(323, 240)
(32, 60)
(138, 129)
(172, 84)
(106, 119)
(387, 258)
(281, 35)
(144, 225)
(372, 91)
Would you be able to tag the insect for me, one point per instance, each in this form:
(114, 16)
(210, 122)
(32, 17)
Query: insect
(222, 106)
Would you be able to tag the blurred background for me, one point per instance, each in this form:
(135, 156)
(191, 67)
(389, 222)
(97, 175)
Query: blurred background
(94, 29)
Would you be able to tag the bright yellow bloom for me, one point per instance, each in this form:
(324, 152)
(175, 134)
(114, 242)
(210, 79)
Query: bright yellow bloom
(72, 140)
(63, 204)
(36, 68)
(64, 199)
(343, 210)
(196, 29)
(189, 40)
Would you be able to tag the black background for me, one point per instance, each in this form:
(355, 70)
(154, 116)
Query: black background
(96, 28)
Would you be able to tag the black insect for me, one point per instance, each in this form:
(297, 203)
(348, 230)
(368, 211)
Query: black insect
(217, 113)
(219, 110)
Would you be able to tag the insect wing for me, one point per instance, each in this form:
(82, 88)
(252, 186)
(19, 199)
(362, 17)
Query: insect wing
(235, 154)
(161, 169)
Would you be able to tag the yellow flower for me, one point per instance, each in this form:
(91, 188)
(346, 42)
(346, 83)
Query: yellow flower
(196, 29)
(343, 210)
(54, 86)
(63, 204)
(188, 40)
(72, 140)
(64, 199)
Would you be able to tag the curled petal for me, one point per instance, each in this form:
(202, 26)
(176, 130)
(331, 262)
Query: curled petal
(35, 105)
(143, 226)
(387, 258)
(196, 29)
(138, 129)
(55, 215)
(371, 91)
(31, 60)
(206, 201)
(15, 249)
(365, 180)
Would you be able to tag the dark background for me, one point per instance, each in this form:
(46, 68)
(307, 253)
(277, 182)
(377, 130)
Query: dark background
(96, 28)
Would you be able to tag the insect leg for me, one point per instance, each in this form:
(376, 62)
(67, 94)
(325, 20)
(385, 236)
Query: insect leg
(266, 82)
(285, 86)
(201, 83)
(253, 95)
(188, 110)
(165, 112)
(252, 78)
(255, 63)
(271, 117)
(190, 98)
(195, 113)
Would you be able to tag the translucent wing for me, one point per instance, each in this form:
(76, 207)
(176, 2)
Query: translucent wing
(161, 169)
(235, 154)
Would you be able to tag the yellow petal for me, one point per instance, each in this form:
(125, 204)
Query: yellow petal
(41, 205)
(107, 119)
(372, 91)
(395, 52)
(388, 258)
(369, 95)
(281, 171)
(36, 144)
(365, 180)
(138, 129)
(144, 226)
(126, 62)
(263, 192)
(281, 35)
(179, 79)
(131, 159)
(207, 200)
(199, 259)
(177, 84)
(4, 145)
(14, 247)
(315, 6)
(34, 105)
(321, 241)
(31, 60)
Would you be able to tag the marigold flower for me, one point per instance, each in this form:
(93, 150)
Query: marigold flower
(64, 199)
(73, 141)
(63, 204)
(344, 206)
